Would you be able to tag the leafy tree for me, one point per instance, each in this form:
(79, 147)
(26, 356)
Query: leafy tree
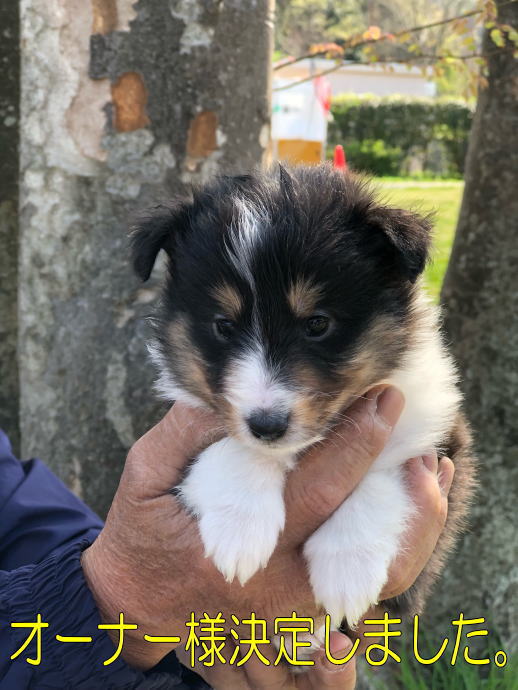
(443, 41)
(480, 296)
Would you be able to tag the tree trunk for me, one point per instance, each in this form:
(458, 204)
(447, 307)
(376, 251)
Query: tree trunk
(480, 296)
(9, 139)
(123, 104)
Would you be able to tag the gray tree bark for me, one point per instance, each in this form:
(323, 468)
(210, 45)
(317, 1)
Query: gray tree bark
(9, 141)
(123, 104)
(480, 296)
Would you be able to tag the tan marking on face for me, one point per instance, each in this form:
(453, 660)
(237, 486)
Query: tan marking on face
(319, 403)
(303, 297)
(377, 354)
(192, 366)
(313, 396)
(192, 374)
(229, 300)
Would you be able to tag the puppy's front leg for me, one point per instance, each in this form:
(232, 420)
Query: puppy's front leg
(350, 554)
(238, 500)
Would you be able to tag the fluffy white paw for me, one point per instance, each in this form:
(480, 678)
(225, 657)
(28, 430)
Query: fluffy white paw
(237, 498)
(350, 554)
(240, 545)
(346, 583)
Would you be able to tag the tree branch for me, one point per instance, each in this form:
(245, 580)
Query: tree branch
(352, 43)
(413, 58)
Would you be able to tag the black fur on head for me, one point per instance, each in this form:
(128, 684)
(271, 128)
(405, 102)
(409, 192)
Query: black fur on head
(253, 261)
(402, 235)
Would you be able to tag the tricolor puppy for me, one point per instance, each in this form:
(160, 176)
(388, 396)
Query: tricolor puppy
(288, 295)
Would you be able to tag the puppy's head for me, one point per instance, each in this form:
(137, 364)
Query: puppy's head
(288, 294)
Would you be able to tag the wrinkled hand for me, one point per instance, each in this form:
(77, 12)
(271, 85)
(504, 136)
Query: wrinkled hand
(255, 675)
(148, 560)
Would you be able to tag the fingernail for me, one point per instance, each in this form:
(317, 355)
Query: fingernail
(389, 405)
(339, 647)
(445, 479)
(372, 398)
(431, 462)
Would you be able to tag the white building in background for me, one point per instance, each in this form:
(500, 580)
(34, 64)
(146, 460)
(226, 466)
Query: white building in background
(389, 79)
(302, 94)
(300, 114)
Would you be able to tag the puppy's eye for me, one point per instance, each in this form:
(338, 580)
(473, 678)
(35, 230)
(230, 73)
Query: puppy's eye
(317, 326)
(223, 329)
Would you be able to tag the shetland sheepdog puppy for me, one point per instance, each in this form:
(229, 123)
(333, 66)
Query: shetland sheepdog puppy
(290, 293)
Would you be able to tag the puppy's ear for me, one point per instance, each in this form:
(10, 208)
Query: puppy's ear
(407, 236)
(156, 229)
(286, 183)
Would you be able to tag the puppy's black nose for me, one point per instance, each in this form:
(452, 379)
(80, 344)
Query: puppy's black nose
(268, 425)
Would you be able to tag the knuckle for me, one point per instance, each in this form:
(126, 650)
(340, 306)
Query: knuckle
(320, 499)
(136, 456)
(134, 453)
(133, 472)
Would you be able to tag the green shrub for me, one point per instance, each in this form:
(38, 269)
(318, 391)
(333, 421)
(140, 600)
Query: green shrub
(374, 156)
(408, 124)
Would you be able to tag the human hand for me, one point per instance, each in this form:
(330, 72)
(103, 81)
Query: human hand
(148, 560)
(255, 674)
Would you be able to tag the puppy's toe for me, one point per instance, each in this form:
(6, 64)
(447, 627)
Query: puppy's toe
(347, 583)
(239, 547)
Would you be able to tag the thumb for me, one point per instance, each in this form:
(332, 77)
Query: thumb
(156, 461)
(335, 676)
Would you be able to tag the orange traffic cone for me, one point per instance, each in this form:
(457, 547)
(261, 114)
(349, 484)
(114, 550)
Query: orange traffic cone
(339, 160)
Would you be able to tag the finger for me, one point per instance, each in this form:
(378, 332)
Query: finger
(328, 473)
(261, 676)
(219, 676)
(431, 462)
(325, 674)
(158, 458)
(421, 537)
(445, 475)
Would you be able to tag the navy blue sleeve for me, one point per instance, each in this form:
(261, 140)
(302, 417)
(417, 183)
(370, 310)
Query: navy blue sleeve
(37, 512)
(43, 531)
(55, 588)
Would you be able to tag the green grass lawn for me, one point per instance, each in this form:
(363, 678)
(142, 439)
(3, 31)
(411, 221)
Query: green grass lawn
(409, 674)
(442, 676)
(441, 197)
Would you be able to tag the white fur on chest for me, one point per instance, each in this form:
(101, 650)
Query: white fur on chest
(237, 494)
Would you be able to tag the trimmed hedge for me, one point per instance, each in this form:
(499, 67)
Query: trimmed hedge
(399, 128)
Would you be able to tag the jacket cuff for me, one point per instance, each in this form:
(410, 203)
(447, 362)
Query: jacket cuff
(56, 589)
